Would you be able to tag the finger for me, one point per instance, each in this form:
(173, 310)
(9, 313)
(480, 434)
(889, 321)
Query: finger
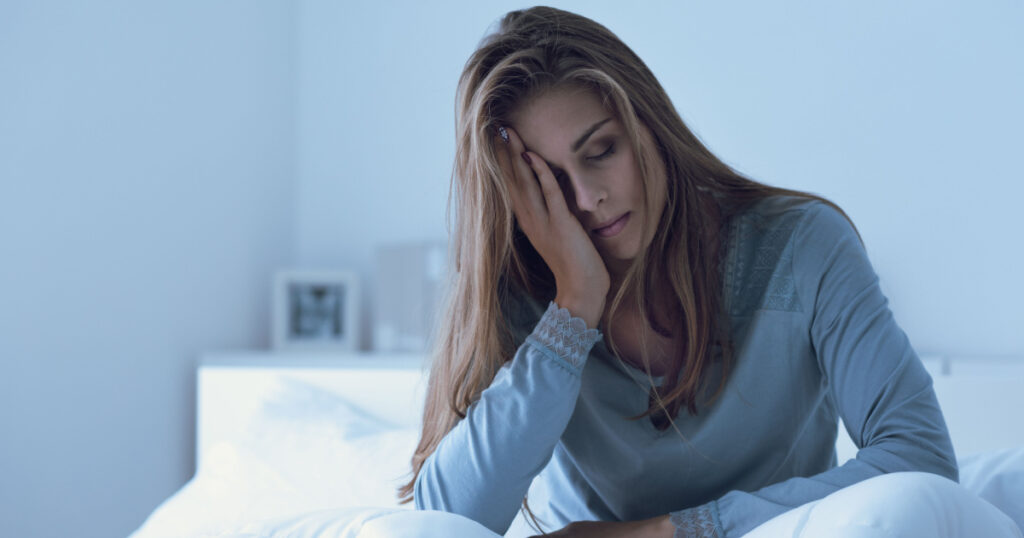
(522, 208)
(554, 199)
(505, 164)
(550, 192)
(525, 172)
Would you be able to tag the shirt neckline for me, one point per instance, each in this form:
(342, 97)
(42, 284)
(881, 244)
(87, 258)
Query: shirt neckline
(637, 374)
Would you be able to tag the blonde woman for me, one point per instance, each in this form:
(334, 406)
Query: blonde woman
(671, 342)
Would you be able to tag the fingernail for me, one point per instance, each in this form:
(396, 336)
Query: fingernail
(503, 133)
(527, 159)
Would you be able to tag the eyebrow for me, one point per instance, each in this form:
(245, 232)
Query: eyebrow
(583, 138)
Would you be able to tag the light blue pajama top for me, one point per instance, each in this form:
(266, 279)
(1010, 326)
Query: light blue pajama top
(814, 341)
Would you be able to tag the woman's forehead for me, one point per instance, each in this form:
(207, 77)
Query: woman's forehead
(556, 119)
(557, 96)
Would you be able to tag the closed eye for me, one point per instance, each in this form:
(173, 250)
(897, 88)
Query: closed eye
(560, 175)
(608, 152)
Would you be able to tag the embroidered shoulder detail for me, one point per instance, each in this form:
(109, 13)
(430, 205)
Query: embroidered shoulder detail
(566, 335)
(761, 275)
(696, 522)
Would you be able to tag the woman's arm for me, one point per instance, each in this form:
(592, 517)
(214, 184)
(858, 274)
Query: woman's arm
(483, 467)
(879, 386)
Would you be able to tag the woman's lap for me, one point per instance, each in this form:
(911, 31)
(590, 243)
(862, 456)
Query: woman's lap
(891, 505)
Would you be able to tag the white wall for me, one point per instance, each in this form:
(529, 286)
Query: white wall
(145, 197)
(374, 129)
(907, 114)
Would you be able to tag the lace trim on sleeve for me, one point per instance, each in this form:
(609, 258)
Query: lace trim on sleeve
(697, 522)
(566, 335)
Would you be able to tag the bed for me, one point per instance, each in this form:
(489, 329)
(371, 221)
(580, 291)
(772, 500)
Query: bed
(300, 445)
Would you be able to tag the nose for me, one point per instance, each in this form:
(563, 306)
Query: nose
(587, 192)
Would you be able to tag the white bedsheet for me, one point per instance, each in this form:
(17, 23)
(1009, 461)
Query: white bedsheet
(243, 498)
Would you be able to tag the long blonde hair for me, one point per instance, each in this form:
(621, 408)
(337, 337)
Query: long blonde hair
(533, 51)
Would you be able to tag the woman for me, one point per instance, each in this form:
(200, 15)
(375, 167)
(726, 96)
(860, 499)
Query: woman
(674, 341)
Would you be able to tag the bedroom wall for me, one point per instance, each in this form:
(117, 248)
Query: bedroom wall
(908, 115)
(145, 197)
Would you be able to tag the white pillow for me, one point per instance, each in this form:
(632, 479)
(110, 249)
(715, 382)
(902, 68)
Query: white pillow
(307, 449)
(329, 449)
(294, 403)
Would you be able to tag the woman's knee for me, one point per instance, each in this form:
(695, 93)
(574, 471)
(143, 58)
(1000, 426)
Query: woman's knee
(907, 504)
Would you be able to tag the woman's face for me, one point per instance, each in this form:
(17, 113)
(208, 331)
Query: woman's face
(590, 154)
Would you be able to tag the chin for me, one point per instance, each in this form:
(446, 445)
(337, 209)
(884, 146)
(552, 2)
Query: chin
(625, 253)
(617, 259)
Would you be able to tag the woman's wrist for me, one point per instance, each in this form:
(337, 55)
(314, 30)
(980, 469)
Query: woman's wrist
(659, 527)
(587, 309)
(565, 334)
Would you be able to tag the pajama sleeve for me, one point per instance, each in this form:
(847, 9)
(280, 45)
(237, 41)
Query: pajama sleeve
(483, 467)
(876, 380)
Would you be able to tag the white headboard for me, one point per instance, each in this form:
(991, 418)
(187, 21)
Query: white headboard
(231, 387)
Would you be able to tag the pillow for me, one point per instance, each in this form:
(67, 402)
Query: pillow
(309, 407)
(327, 447)
(307, 449)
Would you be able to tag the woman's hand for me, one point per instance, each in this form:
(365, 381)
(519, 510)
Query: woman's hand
(581, 277)
(656, 527)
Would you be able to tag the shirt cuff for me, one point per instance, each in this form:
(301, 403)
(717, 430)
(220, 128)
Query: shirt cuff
(565, 335)
(698, 522)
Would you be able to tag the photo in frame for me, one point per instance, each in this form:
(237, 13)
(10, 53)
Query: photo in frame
(315, 311)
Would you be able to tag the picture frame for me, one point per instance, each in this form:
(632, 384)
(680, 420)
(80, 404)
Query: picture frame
(315, 310)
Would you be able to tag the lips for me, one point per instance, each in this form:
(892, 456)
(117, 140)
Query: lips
(612, 228)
